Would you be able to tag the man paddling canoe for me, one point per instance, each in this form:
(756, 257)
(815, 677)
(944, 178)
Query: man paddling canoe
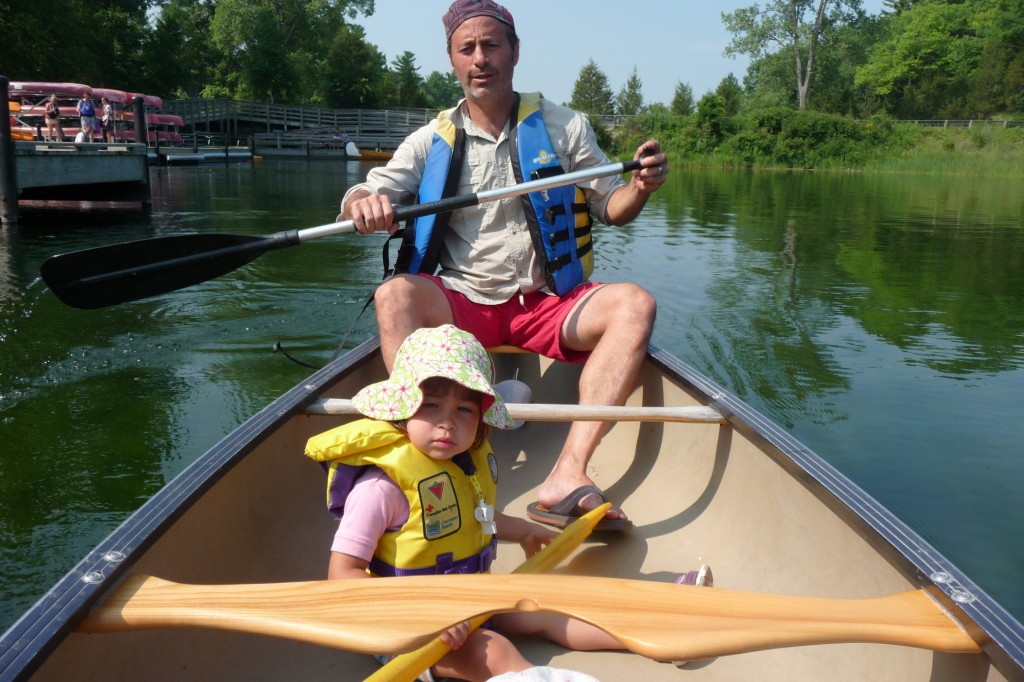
(514, 272)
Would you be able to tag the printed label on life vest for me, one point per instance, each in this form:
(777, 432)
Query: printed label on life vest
(492, 466)
(440, 507)
(544, 158)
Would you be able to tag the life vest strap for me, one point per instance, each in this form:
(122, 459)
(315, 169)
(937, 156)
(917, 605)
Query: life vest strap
(445, 565)
(556, 238)
(563, 260)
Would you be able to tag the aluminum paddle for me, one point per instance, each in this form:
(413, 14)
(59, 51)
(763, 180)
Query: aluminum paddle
(108, 275)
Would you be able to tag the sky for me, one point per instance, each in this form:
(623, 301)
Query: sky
(666, 41)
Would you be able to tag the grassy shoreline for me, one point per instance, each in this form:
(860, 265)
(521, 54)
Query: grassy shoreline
(777, 139)
(987, 150)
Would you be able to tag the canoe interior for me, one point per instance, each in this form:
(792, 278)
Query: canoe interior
(697, 492)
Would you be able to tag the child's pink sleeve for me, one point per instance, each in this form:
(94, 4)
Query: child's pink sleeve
(375, 504)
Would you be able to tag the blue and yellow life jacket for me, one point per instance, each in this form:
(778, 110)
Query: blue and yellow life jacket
(558, 218)
(442, 535)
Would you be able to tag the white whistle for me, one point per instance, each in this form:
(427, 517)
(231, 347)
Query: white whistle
(484, 513)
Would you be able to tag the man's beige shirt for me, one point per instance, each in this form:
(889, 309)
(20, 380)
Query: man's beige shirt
(488, 254)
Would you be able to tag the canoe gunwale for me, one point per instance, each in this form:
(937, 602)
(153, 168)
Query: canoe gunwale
(40, 630)
(997, 631)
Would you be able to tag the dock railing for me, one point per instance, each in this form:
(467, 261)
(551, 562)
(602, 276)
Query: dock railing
(368, 128)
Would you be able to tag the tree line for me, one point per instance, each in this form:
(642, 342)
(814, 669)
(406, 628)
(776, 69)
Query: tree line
(916, 59)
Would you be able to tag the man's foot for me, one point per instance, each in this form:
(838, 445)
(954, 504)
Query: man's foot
(571, 507)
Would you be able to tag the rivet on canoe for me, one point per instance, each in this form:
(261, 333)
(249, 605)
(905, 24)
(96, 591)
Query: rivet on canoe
(941, 577)
(961, 596)
(114, 556)
(92, 577)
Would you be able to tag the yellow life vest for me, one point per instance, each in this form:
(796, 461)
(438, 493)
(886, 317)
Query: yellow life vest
(442, 534)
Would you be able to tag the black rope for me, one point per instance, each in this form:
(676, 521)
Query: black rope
(344, 340)
(278, 348)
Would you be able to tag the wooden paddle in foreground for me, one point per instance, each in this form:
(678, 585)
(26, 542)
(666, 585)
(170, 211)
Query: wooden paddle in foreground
(407, 667)
(662, 621)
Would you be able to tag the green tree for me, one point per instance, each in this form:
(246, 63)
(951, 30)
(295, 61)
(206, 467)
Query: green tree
(96, 43)
(120, 27)
(792, 26)
(925, 65)
(839, 58)
(769, 80)
(998, 84)
(280, 46)
(354, 72)
(442, 90)
(896, 6)
(406, 81)
(591, 94)
(711, 117)
(183, 29)
(267, 72)
(682, 100)
(731, 93)
(630, 100)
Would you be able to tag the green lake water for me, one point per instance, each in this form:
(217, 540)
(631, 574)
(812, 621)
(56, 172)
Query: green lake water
(879, 318)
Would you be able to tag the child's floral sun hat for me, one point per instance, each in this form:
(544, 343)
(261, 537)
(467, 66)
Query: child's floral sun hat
(446, 352)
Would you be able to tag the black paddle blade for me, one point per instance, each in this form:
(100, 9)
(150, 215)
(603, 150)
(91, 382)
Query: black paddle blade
(107, 275)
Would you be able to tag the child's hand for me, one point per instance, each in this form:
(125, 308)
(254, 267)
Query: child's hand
(456, 635)
(532, 537)
(536, 538)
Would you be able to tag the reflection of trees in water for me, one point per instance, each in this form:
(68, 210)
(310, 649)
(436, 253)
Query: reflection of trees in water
(759, 335)
(931, 266)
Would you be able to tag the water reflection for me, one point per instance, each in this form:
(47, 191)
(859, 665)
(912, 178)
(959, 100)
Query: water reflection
(941, 271)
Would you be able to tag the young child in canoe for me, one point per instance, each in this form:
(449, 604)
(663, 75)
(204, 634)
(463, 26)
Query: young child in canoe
(415, 485)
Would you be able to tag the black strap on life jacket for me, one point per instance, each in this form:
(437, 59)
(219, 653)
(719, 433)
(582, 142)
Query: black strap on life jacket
(408, 233)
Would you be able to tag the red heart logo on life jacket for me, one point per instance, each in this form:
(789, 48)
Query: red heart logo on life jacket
(437, 489)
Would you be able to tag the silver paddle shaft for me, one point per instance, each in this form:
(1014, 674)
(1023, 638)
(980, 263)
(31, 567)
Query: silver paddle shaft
(465, 200)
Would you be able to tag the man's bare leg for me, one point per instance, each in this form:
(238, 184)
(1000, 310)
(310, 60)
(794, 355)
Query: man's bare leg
(615, 323)
(405, 303)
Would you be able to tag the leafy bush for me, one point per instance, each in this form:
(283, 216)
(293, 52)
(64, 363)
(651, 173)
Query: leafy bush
(750, 146)
(711, 118)
(656, 123)
(981, 136)
(810, 139)
(770, 121)
(602, 134)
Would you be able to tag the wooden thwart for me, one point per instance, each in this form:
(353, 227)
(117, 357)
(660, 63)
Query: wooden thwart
(662, 621)
(561, 413)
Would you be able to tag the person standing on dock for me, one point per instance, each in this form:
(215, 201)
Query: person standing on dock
(51, 114)
(87, 115)
(107, 120)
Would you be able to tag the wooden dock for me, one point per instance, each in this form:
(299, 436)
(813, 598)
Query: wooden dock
(96, 172)
(70, 171)
(67, 171)
(368, 128)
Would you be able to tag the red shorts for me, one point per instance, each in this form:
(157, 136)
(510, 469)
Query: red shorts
(533, 324)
